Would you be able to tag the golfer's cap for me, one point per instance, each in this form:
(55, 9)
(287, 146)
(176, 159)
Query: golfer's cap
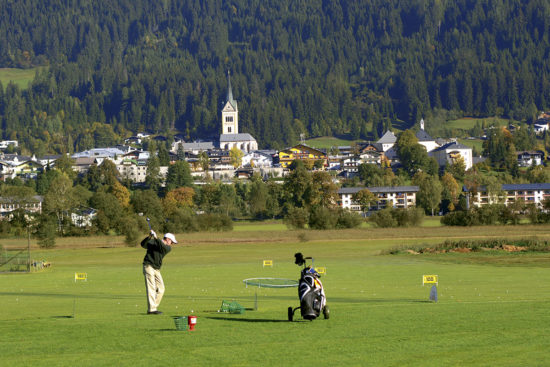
(171, 236)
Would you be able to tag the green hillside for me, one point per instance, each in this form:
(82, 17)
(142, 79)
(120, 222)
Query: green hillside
(320, 68)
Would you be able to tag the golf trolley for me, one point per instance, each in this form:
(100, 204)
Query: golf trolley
(310, 292)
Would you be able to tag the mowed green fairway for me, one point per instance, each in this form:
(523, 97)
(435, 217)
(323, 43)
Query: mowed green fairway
(493, 308)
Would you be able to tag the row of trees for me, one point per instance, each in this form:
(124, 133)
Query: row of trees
(499, 214)
(321, 68)
(441, 190)
(178, 206)
(306, 198)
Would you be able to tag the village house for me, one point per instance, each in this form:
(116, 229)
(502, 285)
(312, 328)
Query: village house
(82, 164)
(111, 153)
(48, 160)
(301, 152)
(27, 170)
(15, 159)
(140, 155)
(8, 205)
(388, 196)
(258, 159)
(4, 144)
(194, 147)
(530, 158)
(133, 170)
(425, 139)
(387, 141)
(83, 216)
(5, 171)
(350, 164)
(137, 139)
(334, 162)
(450, 152)
(535, 193)
(541, 123)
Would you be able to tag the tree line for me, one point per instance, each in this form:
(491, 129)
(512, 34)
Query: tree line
(305, 198)
(177, 206)
(319, 68)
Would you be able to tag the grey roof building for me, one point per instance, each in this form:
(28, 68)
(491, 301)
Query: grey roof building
(450, 152)
(387, 141)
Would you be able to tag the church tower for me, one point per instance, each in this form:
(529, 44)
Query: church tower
(230, 112)
(230, 136)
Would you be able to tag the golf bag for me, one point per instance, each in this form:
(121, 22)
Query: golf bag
(310, 292)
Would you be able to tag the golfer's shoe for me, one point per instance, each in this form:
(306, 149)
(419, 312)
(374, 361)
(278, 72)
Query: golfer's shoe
(154, 312)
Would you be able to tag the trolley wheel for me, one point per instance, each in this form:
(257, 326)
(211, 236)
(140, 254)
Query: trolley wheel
(290, 314)
(326, 312)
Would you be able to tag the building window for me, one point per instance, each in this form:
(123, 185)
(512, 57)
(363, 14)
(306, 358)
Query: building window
(228, 118)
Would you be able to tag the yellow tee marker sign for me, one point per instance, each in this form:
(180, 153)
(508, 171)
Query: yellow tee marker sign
(268, 263)
(80, 276)
(429, 279)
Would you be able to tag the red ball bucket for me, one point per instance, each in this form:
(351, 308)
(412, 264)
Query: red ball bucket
(191, 321)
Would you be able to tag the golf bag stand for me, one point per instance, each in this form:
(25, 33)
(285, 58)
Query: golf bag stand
(310, 292)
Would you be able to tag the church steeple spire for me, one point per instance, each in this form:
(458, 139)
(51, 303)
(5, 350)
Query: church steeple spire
(230, 112)
(230, 91)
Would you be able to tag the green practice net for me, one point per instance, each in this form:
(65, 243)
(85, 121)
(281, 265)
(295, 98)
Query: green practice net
(231, 307)
(14, 260)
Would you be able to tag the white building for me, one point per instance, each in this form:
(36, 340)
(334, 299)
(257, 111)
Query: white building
(387, 141)
(82, 164)
(4, 144)
(31, 205)
(192, 147)
(388, 196)
(350, 164)
(134, 170)
(83, 217)
(448, 153)
(257, 159)
(48, 159)
(530, 193)
(244, 142)
(425, 139)
(530, 158)
(230, 136)
(100, 153)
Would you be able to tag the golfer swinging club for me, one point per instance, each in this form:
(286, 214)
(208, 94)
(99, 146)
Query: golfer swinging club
(156, 250)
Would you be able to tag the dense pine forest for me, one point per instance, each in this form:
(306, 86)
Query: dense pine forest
(319, 67)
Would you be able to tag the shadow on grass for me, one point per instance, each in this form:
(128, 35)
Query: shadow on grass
(174, 329)
(370, 300)
(241, 319)
(69, 295)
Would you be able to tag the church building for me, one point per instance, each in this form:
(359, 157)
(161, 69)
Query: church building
(230, 136)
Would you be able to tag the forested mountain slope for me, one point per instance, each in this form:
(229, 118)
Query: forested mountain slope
(325, 67)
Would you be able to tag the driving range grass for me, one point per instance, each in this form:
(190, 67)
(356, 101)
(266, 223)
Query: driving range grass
(492, 308)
